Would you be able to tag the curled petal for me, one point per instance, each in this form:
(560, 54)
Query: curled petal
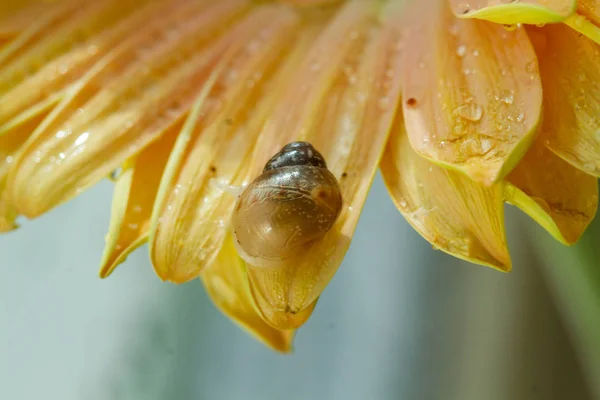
(515, 12)
(472, 93)
(192, 211)
(133, 199)
(126, 101)
(342, 101)
(558, 196)
(449, 210)
(227, 285)
(571, 78)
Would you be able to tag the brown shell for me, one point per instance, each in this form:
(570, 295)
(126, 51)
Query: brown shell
(287, 207)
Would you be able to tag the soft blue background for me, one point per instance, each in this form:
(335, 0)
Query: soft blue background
(398, 321)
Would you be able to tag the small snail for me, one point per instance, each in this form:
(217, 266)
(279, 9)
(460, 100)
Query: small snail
(294, 202)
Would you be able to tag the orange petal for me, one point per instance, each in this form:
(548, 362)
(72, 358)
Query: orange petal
(515, 12)
(587, 19)
(453, 213)
(133, 200)
(343, 101)
(126, 101)
(61, 49)
(191, 215)
(472, 93)
(10, 143)
(558, 196)
(571, 78)
(227, 286)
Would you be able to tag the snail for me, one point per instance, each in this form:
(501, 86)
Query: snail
(292, 204)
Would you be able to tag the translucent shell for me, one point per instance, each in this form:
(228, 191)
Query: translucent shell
(294, 202)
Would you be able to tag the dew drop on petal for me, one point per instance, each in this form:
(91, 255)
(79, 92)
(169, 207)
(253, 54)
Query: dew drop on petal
(461, 50)
(507, 96)
(470, 112)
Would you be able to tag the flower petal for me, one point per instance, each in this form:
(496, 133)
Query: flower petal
(587, 19)
(515, 12)
(453, 213)
(227, 285)
(10, 143)
(558, 196)
(343, 102)
(189, 219)
(472, 93)
(571, 78)
(56, 51)
(129, 98)
(133, 200)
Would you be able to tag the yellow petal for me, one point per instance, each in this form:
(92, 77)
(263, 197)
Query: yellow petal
(191, 215)
(10, 143)
(558, 196)
(587, 19)
(140, 88)
(227, 285)
(133, 199)
(515, 12)
(59, 48)
(343, 101)
(453, 213)
(472, 93)
(571, 78)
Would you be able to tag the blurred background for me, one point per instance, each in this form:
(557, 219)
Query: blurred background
(398, 321)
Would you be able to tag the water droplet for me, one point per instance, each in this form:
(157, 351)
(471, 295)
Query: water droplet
(463, 8)
(61, 134)
(461, 50)
(81, 139)
(132, 226)
(470, 112)
(507, 96)
(403, 203)
(476, 53)
(530, 66)
(61, 156)
(8, 159)
(453, 29)
(521, 117)
(486, 145)
(136, 208)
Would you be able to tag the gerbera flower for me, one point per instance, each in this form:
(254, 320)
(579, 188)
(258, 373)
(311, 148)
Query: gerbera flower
(461, 107)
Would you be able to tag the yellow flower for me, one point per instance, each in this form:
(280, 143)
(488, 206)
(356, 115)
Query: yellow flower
(460, 106)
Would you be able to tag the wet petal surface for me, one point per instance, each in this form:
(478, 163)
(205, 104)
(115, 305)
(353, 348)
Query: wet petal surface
(191, 217)
(472, 93)
(137, 91)
(450, 211)
(571, 78)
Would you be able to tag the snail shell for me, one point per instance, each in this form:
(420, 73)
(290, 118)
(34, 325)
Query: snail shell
(294, 202)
